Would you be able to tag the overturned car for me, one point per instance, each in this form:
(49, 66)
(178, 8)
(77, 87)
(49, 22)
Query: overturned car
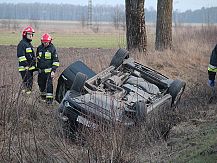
(125, 92)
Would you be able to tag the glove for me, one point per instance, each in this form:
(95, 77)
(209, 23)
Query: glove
(211, 83)
(52, 74)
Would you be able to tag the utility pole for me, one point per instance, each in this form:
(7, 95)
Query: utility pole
(90, 7)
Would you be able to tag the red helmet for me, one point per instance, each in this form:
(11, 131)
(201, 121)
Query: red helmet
(28, 29)
(46, 38)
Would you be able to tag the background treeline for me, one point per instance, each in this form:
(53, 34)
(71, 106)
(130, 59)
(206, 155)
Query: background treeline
(41, 11)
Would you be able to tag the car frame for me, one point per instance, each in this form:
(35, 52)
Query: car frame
(125, 92)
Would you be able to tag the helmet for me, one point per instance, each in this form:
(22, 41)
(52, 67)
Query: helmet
(46, 38)
(28, 29)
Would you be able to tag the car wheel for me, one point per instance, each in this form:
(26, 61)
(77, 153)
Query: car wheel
(176, 89)
(119, 57)
(141, 111)
(79, 82)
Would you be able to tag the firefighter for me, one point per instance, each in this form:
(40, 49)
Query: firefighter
(26, 58)
(212, 68)
(47, 63)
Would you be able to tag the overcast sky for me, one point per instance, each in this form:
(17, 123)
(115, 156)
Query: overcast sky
(181, 5)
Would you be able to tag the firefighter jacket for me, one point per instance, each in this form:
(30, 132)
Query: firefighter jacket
(26, 55)
(212, 68)
(47, 58)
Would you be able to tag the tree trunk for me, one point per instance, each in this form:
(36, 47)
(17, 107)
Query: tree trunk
(135, 23)
(164, 25)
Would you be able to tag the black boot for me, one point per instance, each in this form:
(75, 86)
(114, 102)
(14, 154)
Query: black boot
(49, 101)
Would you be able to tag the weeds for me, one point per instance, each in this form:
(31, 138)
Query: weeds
(32, 132)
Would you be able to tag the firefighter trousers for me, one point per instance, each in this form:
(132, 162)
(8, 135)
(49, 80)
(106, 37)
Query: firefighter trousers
(45, 83)
(27, 77)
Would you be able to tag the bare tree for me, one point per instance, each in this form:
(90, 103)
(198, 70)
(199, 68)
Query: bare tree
(119, 18)
(123, 22)
(116, 17)
(16, 24)
(34, 23)
(135, 22)
(83, 20)
(6, 24)
(164, 25)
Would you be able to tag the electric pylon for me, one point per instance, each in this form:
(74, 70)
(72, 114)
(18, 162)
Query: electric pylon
(89, 22)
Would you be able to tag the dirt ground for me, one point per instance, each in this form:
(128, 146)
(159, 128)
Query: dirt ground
(192, 138)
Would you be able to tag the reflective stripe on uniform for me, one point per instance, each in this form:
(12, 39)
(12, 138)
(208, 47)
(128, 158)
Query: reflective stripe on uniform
(21, 68)
(212, 68)
(32, 68)
(47, 70)
(56, 64)
(28, 50)
(21, 59)
(49, 95)
(47, 55)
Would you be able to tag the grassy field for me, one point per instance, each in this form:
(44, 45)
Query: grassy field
(77, 40)
(65, 34)
(200, 145)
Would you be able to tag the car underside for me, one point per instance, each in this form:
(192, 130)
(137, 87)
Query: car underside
(125, 92)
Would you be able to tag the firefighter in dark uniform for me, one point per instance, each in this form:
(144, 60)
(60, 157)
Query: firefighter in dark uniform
(47, 63)
(26, 57)
(212, 68)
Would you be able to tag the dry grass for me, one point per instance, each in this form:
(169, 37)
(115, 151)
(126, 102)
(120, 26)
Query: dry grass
(31, 132)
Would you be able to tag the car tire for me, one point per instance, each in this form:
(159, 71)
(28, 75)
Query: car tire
(79, 82)
(176, 89)
(141, 111)
(119, 57)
